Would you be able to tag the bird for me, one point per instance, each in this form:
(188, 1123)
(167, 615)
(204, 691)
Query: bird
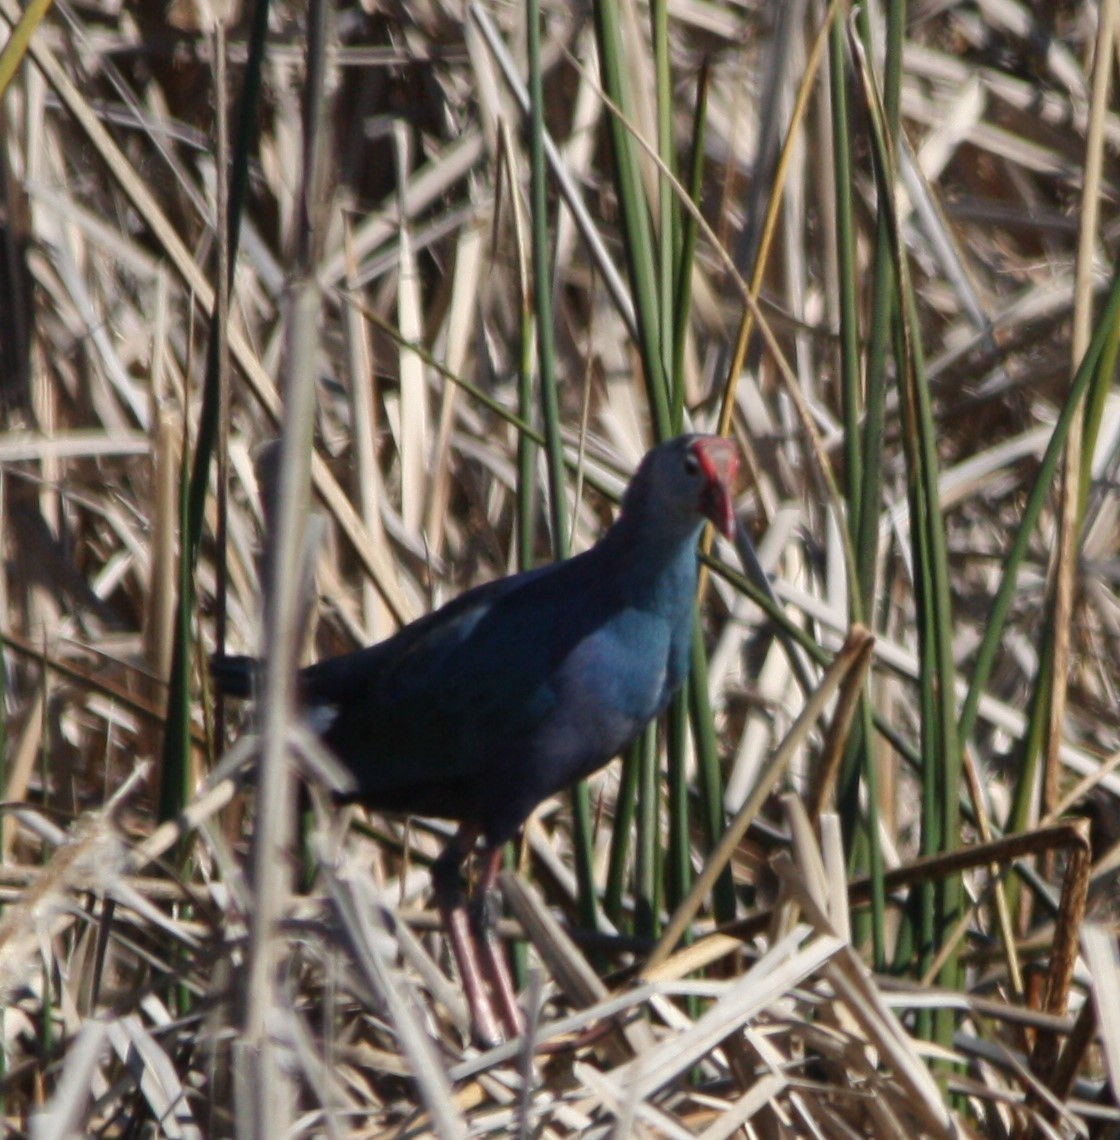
(518, 688)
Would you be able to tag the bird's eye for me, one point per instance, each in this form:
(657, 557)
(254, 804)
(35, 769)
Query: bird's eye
(691, 464)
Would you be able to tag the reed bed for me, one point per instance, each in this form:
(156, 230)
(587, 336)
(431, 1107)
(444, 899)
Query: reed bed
(312, 319)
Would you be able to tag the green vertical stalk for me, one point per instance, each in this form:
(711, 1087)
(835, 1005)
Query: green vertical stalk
(932, 820)
(678, 866)
(867, 424)
(682, 298)
(638, 238)
(550, 410)
(941, 758)
(625, 810)
(1094, 411)
(708, 773)
(1087, 374)
(175, 769)
(865, 502)
(542, 291)
(526, 448)
(1094, 373)
(647, 886)
(653, 263)
(863, 436)
(850, 384)
(667, 205)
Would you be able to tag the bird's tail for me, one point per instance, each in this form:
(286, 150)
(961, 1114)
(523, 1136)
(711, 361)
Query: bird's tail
(234, 676)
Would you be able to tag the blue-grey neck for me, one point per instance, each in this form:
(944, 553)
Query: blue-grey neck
(657, 557)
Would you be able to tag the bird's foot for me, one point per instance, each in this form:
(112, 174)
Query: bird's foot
(495, 969)
(484, 913)
(479, 956)
(486, 1029)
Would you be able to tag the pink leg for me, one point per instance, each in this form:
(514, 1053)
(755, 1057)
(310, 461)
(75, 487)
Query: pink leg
(494, 964)
(452, 908)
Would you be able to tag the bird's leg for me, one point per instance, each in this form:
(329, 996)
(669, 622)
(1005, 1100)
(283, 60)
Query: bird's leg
(484, 921)
(448, 886)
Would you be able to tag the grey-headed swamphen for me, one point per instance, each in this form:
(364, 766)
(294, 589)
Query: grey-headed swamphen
(519, 688)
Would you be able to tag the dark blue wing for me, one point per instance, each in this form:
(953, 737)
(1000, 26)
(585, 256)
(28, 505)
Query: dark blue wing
(436, 704)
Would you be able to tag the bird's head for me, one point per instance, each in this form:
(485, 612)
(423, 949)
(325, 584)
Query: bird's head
(691, 475)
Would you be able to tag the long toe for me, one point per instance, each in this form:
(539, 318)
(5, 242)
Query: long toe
(495, 969)
(485, 911)
(486, 1029)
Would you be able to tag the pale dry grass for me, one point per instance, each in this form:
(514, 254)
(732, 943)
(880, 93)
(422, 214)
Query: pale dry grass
(124, 945)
